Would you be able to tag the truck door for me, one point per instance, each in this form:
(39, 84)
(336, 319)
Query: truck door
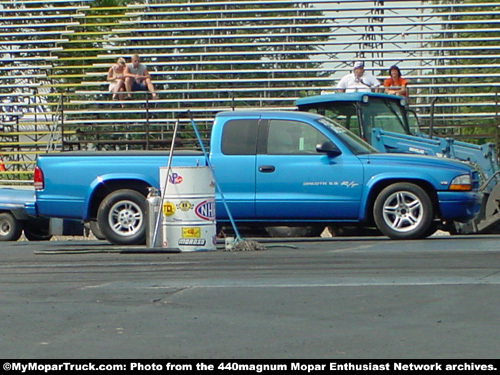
(234, 166)
(295, 182)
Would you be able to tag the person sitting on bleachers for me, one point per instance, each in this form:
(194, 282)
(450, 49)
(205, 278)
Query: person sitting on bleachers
(396, 84)
(116, 78)
(137, 78)
(358, 80)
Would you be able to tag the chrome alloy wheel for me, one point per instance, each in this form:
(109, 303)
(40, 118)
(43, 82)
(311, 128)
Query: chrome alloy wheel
(125, 218)
(5, 227)
(403, 211)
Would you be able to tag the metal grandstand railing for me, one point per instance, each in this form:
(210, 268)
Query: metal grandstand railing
(208, 56)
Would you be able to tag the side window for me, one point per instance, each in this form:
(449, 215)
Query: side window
(239, 137)
(292, 138)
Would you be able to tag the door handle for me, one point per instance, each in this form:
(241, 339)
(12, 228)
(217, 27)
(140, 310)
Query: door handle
(267, 168)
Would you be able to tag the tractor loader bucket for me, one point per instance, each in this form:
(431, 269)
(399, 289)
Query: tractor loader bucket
(489, 216)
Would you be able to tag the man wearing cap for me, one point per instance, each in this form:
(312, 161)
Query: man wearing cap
(358, 80)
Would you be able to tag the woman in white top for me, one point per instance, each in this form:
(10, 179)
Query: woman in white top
(116, 78)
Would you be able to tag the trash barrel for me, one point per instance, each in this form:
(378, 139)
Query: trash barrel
(188, 209)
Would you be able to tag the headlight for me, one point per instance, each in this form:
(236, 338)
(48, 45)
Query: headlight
(461, 183)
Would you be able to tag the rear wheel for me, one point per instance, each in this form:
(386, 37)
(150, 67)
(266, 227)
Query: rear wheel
(10, 227)
(121, 217)
(404, 211)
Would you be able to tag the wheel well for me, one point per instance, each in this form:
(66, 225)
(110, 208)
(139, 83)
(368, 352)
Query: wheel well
(381, 185)
(108, 187)
(18, 213)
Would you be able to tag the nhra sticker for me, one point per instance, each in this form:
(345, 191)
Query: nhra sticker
(175, 178)
(168, 208)
(205, 210)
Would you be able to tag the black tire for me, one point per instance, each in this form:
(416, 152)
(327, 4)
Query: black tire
(37, 230)
(36, 236)
(96, 231)
(10, 228)
(291, 232)
(433, 228)
(404, 211)
(352, 231)
(122, 219)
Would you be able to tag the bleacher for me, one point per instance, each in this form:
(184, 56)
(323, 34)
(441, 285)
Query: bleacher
(210, 56)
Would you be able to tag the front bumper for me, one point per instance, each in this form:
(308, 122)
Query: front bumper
(459, 206)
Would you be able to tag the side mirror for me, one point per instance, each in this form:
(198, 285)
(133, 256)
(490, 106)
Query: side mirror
(328, 148)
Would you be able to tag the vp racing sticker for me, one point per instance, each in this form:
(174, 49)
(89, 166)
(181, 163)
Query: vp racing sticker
(175, 178)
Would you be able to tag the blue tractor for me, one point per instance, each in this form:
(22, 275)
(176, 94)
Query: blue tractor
(386, 123)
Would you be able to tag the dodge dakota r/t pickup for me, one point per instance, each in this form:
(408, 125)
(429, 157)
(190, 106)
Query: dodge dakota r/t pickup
(274, 168)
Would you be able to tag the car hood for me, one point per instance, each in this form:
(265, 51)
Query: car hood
(416, 162)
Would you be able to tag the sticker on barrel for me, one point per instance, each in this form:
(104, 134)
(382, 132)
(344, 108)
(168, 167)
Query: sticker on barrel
(191, 232)
(168, 208)
(205, 210)
(176, 178)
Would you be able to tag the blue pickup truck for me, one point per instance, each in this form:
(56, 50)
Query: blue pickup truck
(14, 219)
(274, 168)
(16, 204)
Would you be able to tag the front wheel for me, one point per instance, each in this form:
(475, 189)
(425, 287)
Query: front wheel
(403, 211)
(121, 217)
(96, 231)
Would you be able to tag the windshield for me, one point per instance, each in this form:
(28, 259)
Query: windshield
(413, 122)
(343, 113)
(348, 138)
(384, 114)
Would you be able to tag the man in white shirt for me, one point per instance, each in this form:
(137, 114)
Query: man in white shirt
(358, 80)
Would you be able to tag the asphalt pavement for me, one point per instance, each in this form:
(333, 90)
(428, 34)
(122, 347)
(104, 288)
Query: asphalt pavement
(337, 298)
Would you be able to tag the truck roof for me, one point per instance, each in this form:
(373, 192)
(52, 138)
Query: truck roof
(102, 153)
(342, 97)
(270, 114)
